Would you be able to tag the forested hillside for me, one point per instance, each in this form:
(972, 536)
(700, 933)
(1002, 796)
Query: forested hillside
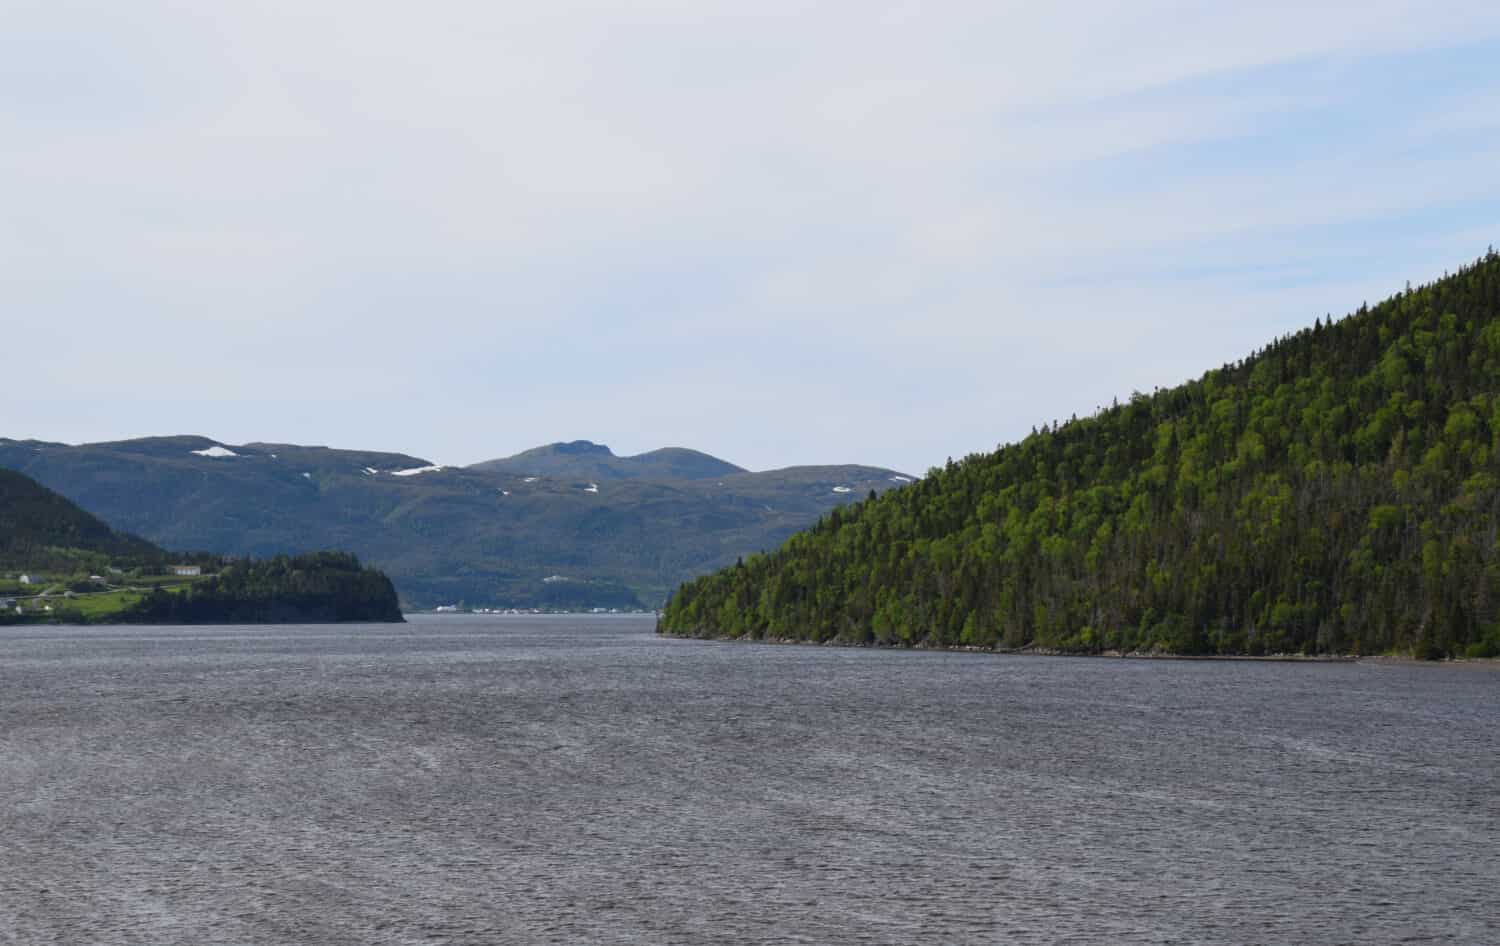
(41, 530)
(1336, 492)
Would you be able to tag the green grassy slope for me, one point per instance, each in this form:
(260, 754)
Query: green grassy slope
(1334, 492)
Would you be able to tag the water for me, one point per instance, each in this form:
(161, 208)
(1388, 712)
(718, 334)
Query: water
(576, 780)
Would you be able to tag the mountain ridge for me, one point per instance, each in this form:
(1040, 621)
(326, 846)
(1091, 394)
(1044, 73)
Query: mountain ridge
(584, 458)
(446, 534)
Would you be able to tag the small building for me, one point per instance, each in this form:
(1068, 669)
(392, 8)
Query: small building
(187, 571)
(28, 580)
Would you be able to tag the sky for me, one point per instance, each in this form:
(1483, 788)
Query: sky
(779, 232)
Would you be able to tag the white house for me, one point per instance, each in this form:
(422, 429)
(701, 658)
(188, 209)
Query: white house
(28, 580)
(186, 570)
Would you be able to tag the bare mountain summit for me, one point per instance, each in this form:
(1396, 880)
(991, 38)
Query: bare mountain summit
(588, 460)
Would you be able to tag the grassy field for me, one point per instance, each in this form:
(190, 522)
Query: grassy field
(166, 581)
(92, 606)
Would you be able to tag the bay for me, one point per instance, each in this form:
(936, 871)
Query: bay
(482, 779)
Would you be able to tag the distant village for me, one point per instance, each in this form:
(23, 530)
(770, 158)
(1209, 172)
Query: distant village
(38, 594)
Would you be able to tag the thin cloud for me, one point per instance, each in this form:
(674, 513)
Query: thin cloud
(786, 232)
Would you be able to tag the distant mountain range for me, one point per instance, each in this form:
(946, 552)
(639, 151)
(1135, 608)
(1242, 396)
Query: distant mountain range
(583, 459)
(565, 525)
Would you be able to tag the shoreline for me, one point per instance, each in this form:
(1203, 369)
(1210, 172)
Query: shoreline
(1108, 654)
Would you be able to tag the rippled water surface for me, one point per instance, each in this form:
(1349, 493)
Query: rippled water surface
(469, 780)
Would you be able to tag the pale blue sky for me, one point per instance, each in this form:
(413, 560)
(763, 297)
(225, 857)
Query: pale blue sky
(779, 232)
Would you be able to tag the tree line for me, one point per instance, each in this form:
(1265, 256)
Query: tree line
(318, 587)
